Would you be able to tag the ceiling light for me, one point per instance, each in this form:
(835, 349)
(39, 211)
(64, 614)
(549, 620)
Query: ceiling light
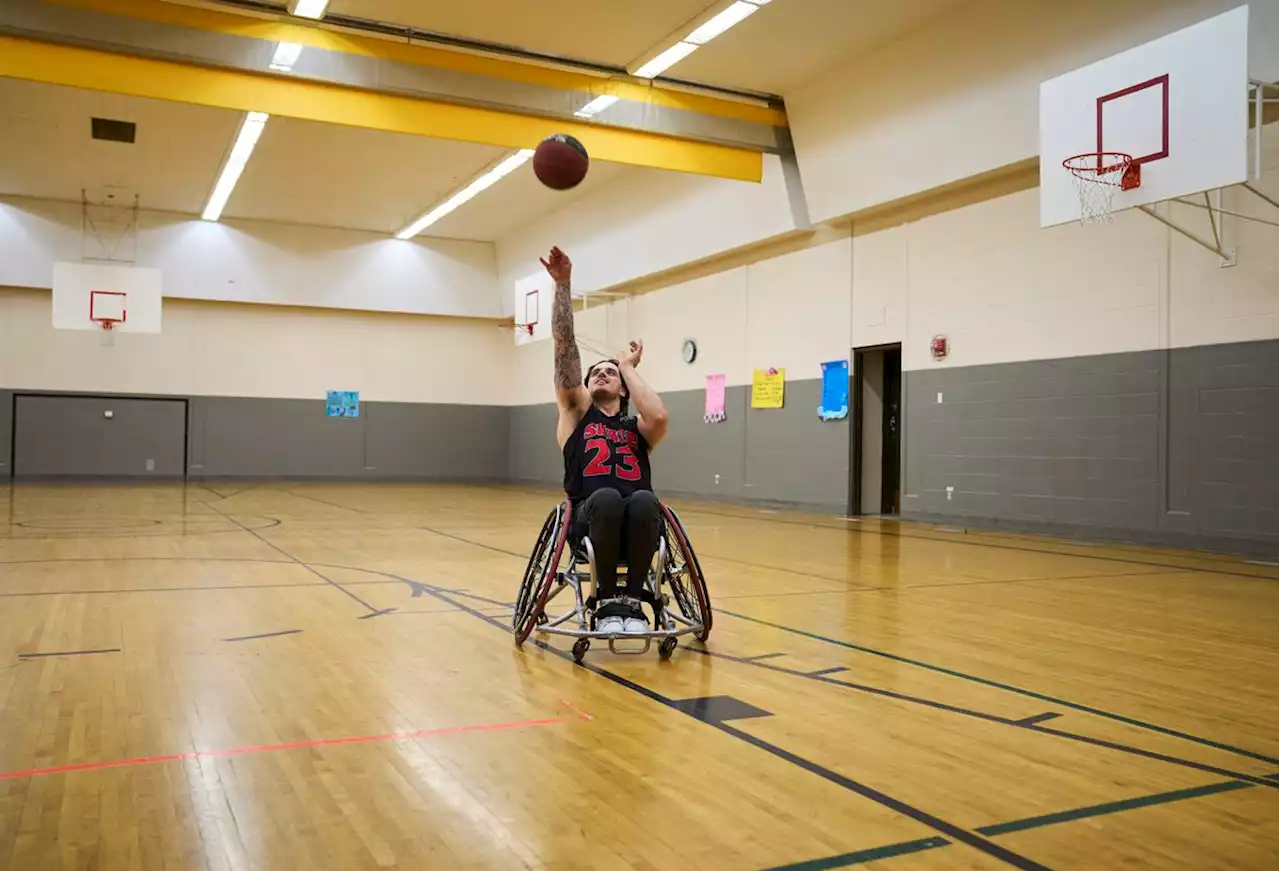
(286, 56)
(485, 181)
(308, 8)
(671, 56)
(721, 22)
(250, 129)
(596, 106)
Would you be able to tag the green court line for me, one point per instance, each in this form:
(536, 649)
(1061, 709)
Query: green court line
(844, 860)
(1007, 687)
(857, 857)
(1112, 807)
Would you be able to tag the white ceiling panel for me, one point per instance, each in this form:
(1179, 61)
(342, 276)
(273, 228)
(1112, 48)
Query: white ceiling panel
(47, 151)
(306, 172)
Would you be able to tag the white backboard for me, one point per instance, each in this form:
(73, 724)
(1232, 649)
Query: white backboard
(532, 297)
(127, 293)
(1177, 105)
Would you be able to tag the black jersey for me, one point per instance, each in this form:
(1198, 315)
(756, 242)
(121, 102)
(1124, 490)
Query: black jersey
(605, 451)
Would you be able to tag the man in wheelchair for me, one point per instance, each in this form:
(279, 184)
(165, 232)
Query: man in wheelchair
(606, 460)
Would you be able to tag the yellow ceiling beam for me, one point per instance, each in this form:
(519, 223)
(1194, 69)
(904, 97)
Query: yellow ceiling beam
(314, 101)
(316, 36)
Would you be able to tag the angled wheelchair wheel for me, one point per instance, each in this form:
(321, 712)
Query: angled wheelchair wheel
(688, 585)
(540, 573)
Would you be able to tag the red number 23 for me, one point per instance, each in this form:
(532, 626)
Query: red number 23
(628, 469)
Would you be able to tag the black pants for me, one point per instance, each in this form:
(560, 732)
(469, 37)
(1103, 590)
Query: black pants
(621, 525)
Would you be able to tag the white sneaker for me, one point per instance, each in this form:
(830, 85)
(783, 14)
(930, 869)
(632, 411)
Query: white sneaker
(635, 626)
(611, 624)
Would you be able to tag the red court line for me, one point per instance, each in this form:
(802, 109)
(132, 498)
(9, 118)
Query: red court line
(293, 745)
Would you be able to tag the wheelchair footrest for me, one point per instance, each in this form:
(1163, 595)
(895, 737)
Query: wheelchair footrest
(631, 646)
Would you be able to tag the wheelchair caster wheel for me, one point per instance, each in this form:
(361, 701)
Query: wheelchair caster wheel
(666, 648)
(580, 648)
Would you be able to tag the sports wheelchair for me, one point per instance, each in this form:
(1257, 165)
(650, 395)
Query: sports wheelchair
(563, 559)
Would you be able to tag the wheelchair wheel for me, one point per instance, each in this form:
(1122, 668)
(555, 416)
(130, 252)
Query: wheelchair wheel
(540, 574)
(688, 585)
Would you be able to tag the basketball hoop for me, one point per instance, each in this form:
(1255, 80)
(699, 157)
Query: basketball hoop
(1098, 175)
(510, 324)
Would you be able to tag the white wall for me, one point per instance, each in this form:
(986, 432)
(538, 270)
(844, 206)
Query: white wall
(649, 222)
(221, 349)
(986, 275)
(261, 262)
(960, 96)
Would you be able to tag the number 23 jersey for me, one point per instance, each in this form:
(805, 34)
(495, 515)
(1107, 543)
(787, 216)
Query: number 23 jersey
(605, 452)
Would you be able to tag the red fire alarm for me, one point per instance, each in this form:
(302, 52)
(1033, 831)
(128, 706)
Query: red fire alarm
(939, 347)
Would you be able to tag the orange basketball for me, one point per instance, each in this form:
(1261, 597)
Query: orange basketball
(560, 162)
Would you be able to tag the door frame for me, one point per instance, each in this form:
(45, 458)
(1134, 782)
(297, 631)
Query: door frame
(855, 431)
(77, 394)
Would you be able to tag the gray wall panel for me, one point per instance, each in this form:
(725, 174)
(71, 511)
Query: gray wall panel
(249, 437)
(1176, 446)
(415, 440)
(6, 430)
(71, 436)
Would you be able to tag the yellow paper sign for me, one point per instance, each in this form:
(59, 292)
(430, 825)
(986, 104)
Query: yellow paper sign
(766, 388)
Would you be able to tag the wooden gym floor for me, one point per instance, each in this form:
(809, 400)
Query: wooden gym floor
(322, 677)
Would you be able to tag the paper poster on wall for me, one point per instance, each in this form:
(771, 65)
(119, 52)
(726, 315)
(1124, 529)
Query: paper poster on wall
(835, 390)
(342, 403)
(714, 411)
(767, 388)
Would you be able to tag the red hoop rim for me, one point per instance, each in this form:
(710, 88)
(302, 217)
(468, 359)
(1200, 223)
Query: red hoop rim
(1100, 163)
(109, 323)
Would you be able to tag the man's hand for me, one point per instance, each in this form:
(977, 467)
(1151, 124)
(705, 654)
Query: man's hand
(558, 265)
(632, 356)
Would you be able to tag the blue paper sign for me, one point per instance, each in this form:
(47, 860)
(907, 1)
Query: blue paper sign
(342, 403)
(835, 390)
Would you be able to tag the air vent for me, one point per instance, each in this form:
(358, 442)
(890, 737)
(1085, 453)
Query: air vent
(111, 130)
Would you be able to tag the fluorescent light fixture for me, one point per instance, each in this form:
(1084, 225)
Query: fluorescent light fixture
(250, 130)
(701, 35)
(721, 22)
(485, 181)
(596, 106)
(287, 54)
(308, 8)
(671, 56)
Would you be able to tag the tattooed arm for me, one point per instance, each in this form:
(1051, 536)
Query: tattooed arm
(571, 396)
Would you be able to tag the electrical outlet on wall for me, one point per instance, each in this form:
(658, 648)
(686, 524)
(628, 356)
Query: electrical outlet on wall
(950, 490)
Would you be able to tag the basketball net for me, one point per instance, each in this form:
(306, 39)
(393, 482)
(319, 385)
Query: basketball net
(1098, 176)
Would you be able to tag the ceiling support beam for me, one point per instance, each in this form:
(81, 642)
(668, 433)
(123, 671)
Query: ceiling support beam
(287, 96)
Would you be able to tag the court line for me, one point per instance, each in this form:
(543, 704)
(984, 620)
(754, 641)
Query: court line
(268, 748)
(68, 653)
(936, 823)
(1007, 687)
(264, 635)
(281, 550)
(324, 501)
(975, 678)
(844, 860)
(991, 718)
(857, 857)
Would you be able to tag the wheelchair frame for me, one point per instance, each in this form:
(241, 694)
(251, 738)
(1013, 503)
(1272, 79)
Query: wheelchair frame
(677, 570)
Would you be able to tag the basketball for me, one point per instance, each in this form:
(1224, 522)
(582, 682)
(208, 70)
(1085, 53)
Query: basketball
(560, 162)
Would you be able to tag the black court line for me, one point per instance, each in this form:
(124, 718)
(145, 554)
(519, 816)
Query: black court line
(835, 669)
(937, 823)
(762, 656)
(378, 613)
(325, 502)
(993, 718)
(858, 857)
(952, 672)
(294, 559)
(1038, 718)
(1240, 751)
(264, 635)
(844, 860)
(68, 653)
